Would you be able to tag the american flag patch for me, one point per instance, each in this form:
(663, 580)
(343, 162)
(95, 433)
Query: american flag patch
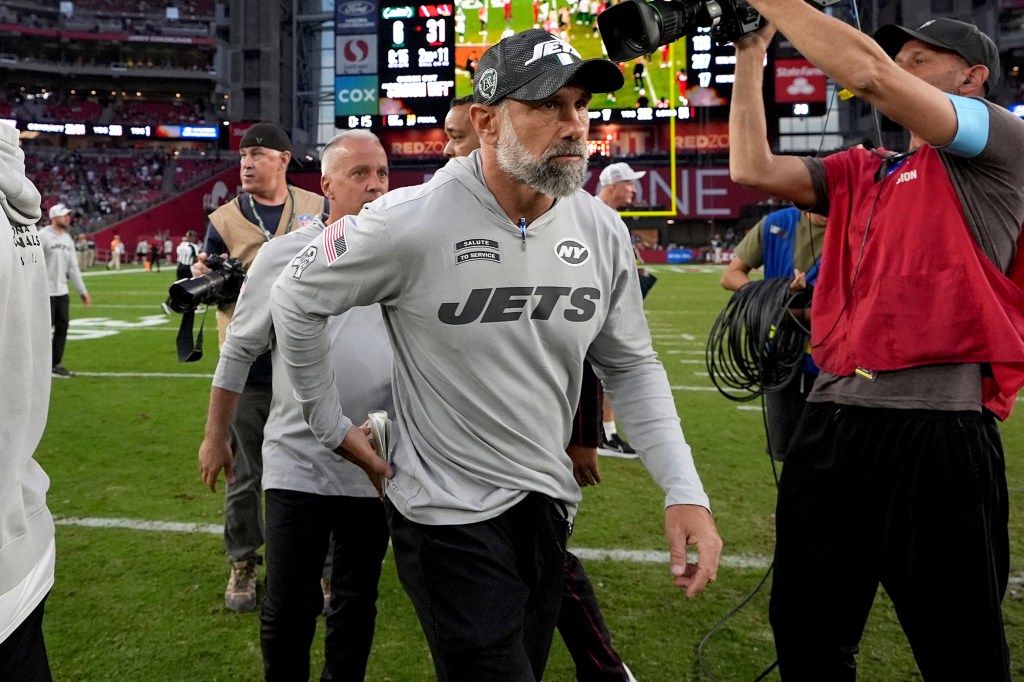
(334, 241)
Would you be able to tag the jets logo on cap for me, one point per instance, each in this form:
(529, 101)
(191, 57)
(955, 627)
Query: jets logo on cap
(487, 83)
(564, 50)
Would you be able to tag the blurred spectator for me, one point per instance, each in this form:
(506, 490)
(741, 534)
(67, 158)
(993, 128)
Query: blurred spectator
(81, 251)
(116, 252)
(142, 252)
(61, 266)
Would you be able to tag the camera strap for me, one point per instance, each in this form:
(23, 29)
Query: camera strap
(187, 350)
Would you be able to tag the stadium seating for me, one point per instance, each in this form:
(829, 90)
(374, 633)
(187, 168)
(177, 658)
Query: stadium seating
(116, 186)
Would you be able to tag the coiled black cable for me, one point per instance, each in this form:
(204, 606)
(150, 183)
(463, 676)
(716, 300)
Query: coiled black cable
(756, 344)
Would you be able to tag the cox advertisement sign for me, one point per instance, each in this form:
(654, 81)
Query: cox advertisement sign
(355, 95)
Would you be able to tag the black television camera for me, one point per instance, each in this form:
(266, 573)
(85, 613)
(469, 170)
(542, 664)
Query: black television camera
(635, 27)
(214, 288)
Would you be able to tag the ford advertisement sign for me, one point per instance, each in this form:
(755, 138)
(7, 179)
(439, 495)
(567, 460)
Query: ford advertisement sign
(355, 16)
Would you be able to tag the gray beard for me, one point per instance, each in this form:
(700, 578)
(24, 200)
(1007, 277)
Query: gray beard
(540, 174)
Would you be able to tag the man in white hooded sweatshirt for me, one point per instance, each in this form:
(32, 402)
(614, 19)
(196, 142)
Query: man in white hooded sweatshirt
(26, 528)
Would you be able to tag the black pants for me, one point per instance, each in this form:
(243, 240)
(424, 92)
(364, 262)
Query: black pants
(23, 653)
(243, 499)
(60, 318)
(487, 594)
(783, 409)
(914, 500)
(298, 531)
(583, 629)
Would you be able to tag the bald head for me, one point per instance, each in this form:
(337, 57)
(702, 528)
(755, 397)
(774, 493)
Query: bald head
(354, 172)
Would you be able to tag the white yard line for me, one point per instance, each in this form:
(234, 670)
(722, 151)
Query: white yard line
(182, 375)
(637, 556)
(144, 306)
(157, 375)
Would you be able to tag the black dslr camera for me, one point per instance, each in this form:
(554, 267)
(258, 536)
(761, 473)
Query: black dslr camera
(635, 27)
(214, 288)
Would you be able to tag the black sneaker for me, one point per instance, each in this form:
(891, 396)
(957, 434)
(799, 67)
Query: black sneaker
(167, 308)
(59, 372)
(616, 447)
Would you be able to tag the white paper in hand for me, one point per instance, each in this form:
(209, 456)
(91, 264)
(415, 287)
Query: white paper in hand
(380, 429)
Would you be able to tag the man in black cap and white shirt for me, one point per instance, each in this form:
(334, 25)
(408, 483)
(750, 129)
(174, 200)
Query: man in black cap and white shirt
(61, 266)
(267, 207)
(491, 313)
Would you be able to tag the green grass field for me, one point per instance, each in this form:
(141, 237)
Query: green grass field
(138, 604)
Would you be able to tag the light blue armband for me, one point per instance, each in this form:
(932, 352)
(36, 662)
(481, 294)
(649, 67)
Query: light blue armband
(972, 126)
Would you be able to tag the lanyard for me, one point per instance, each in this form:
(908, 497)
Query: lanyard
(267, 233)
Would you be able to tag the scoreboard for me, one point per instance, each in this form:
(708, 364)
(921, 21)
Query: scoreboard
(710, 72)
(394, 63)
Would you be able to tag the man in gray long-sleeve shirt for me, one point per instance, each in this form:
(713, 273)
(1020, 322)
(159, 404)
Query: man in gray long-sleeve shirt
(310, 491)
(61, 266)
(497, 278)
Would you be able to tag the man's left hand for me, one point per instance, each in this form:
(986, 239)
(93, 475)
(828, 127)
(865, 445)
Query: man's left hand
(690, 524)
(584, 465)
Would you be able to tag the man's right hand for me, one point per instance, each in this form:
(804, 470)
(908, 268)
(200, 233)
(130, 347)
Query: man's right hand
(199, 264)
(214, 455)
(357, 448)
(759, 39)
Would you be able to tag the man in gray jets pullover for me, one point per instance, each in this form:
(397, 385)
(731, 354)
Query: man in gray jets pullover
(497, 277)
(312, 493)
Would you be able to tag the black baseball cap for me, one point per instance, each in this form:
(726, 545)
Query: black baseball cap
(267, 135)
(535, 64)
(959, 37)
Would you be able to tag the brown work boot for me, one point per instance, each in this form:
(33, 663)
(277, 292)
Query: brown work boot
(240, 595)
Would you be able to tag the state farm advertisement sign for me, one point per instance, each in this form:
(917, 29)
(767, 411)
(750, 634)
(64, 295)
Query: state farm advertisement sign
(797, 80)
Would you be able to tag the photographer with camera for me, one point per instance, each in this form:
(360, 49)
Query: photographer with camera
(266, 208)
(895, 475)
(310, 491)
